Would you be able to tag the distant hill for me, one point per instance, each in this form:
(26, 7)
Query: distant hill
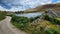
(45, 7)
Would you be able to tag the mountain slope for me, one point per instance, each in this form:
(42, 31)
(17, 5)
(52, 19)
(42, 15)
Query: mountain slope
(53, 6)
(45, 7)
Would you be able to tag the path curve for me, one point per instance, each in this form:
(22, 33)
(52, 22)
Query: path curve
(7, 28)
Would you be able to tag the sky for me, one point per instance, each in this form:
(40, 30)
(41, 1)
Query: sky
(19, 5)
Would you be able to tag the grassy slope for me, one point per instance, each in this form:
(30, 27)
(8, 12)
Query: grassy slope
(43, 27)
(2, 15)
(23, 23)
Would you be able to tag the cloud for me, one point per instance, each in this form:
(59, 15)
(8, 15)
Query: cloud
(15, 5)
(12, 9)
(34, 3)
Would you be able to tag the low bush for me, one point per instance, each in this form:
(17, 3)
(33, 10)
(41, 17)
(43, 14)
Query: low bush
(23, 23)
(50, 31)
(2, 15)
(53, 20)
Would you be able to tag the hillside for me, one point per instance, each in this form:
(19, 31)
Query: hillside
(47, 23)
(45, 7)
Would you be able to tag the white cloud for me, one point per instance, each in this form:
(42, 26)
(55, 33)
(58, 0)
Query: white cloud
(3, 9)
(35, 2)
(12, 9)
(24, 4)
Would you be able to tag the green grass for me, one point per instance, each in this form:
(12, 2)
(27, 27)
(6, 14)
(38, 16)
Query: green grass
(23, 23)
(2, 15)
(58, 19)
(53, 29)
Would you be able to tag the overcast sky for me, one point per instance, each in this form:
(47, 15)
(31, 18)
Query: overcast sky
(18, 5)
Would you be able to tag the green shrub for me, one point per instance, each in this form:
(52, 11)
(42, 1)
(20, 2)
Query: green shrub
(2, 15)
(19, 22)
(51, 19)
(24, 24)
(50, 31)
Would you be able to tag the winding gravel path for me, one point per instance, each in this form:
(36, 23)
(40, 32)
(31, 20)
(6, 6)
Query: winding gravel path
(7, 28)
(1, 32)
